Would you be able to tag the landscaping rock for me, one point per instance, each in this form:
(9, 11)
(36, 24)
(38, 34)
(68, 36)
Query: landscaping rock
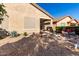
(39, 45)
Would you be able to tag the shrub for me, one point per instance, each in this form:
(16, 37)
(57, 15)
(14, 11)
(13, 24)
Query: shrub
(59, 29)
(77, 30)
(14, 34)
(3, 33)
(73, 28)
(25, 33)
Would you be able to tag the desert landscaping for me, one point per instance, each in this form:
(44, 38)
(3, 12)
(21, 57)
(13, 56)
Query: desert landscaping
(28, 30)
(45, 44)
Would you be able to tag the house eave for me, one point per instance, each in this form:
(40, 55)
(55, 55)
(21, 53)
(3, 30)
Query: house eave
(42, 10)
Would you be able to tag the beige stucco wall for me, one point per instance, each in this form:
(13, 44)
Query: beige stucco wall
(65, 20)
(17, 13)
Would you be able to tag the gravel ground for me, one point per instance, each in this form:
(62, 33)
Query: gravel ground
(37, 45)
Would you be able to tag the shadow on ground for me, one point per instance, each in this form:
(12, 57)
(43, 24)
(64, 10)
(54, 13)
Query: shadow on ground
(36, 45)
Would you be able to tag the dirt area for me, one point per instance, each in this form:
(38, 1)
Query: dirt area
(37, 45)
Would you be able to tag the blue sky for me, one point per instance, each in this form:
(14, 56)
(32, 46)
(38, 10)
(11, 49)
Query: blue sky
(58, 10)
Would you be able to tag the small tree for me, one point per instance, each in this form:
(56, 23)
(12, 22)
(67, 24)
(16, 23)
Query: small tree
(3, 12)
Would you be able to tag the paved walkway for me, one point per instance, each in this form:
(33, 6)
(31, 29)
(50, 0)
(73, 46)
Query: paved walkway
(10, 40)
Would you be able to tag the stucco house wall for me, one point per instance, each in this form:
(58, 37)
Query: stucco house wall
(23, 17)
(65, 20)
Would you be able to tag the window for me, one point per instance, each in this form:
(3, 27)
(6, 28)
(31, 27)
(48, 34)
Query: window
(29, 22)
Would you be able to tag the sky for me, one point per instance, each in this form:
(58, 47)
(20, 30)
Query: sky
(58, 10)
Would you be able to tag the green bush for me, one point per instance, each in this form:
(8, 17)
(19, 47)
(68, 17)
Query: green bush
(3, 33)
(14, 34)
(1, 37)
(77, 30)
(25, 33)
(59, 29)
